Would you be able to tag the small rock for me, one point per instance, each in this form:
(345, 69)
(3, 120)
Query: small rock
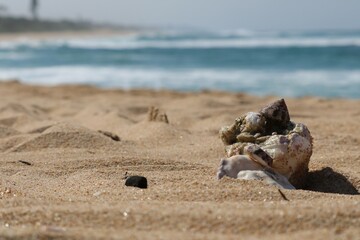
(136, 181)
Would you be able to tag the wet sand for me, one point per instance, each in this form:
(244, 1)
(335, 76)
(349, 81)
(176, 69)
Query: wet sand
(61, 178)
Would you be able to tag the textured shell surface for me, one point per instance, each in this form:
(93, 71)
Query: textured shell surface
(276, 112)
(254, 122)
(236, 149)
(271, 178)
(258, 155)
(289, 144)
(302, 130)
(232, 166)
(291, 153)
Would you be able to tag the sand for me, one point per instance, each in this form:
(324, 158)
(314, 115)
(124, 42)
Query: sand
(84, 34)
(61, 178)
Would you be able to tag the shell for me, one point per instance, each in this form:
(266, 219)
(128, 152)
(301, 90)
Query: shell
(288, 144)
(276, 114)
(253, 123)
(243, 167)
(233, 165)
(236, 148)
(291, 154)
(269, 177)
(258, 155)
(244, 129)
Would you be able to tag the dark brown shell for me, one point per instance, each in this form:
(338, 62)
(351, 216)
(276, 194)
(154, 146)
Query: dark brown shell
(277, 116)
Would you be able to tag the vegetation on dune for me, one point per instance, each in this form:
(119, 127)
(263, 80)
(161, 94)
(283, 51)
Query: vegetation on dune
(21, 24)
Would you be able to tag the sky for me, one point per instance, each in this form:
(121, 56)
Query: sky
(206, 14)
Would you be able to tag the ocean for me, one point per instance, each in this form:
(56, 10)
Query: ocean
(283, 63)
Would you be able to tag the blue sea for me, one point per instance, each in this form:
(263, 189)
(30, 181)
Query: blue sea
(283, 63)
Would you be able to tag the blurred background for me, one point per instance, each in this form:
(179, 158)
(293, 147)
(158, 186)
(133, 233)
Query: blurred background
(262, 47)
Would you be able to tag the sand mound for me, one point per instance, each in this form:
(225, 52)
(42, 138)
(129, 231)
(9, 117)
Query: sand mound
(65, 135)
(37, 127)
(155, 132)
(16, 109)
(17, 121)
(108, 121)
(19, 116)
(10, 137)
(7, 131)
(10, 142)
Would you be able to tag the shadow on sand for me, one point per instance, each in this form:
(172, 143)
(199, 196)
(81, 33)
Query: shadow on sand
(328, 181)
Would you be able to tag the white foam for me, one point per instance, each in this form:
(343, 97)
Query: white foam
(283, 83)
(216, 43)
(123, 43)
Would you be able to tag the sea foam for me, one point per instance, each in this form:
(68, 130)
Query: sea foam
(282, 83)
(223, 40)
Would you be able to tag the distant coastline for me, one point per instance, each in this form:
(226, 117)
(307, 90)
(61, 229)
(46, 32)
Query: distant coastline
(10, 25)
(15, 28)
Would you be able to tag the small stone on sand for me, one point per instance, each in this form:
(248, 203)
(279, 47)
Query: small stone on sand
(136, 181)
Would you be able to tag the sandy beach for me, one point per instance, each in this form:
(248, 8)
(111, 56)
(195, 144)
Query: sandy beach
(48, 35)
(61, 178)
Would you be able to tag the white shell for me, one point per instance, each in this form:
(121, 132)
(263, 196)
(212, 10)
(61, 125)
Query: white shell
(233, 165)
(291, 153)
(242, 167)
(273, 178)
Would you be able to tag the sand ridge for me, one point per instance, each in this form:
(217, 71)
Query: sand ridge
(61, 178)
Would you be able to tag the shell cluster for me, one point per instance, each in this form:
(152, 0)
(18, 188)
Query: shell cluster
(270, 139)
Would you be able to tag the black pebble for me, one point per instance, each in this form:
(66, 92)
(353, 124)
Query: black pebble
(136, 181)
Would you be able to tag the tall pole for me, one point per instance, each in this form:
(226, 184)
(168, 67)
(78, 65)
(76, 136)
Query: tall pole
(34, 8)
